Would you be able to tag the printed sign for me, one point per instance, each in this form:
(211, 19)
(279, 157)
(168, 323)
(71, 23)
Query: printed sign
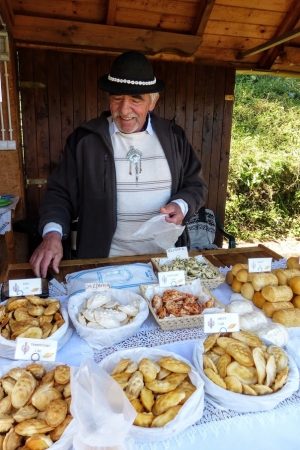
(96, 287)
(177, 252)
(35, 349)
(259, 265)
(30, 286)
(171, 279)
(221, 323)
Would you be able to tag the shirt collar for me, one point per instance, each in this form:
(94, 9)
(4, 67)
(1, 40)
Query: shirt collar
(114, 129)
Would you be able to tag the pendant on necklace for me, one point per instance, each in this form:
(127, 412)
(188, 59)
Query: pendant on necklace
(134, 157)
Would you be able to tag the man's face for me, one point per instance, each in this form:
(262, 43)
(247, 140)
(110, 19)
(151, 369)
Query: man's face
(130, 111)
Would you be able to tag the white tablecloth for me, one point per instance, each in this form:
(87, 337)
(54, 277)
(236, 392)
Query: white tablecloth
(225, 429)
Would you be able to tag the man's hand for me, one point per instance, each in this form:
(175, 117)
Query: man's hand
(174, 213)
(49, 250)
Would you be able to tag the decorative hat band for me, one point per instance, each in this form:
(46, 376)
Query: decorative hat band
(141, 83)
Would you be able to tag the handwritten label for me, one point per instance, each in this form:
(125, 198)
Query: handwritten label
(177, 252)
(221, 323)
(36, 349)
(30, 286)
(96, 287)
(171, 279)
(259, 265)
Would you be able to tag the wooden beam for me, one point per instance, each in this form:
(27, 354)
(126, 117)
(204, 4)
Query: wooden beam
(55, 32)
(111, 12)
(291, 56)
(288, 24)
(7, 16)
(202, 16)
(272, 43)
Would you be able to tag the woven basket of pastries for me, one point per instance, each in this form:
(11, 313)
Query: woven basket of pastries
(35, 406)
(163, 387)
(243, 373)
(180, 307)
(194, 267)
(31, 316)
(106, 318)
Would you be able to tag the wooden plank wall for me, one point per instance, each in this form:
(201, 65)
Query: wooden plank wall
(59, 92)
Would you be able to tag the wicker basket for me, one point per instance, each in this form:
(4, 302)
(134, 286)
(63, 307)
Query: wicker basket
(209, 283)
(179, 323)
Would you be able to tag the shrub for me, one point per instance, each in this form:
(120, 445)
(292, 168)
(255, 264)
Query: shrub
(263, 195)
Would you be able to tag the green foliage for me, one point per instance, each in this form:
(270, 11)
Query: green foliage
(263, 196)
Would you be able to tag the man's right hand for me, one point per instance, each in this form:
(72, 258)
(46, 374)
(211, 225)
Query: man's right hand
(49, 250)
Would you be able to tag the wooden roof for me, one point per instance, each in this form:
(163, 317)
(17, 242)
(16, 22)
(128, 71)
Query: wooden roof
(256, 35)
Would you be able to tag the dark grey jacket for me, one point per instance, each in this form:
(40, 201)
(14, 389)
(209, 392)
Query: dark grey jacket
(83, 186)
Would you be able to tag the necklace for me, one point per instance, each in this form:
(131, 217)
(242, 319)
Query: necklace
(134, 157)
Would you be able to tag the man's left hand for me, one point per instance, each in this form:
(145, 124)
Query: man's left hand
(174, 213)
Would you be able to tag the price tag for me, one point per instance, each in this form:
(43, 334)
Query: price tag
(259, 265)
(177, 252)
(221, 323)
(173, 278)
(96, 287)
(30, 286)
(35, 349)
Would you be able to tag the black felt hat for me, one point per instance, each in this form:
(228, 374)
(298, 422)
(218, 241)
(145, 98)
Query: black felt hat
(131, 73)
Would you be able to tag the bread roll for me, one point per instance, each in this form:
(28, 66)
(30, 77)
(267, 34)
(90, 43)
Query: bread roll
(293, 262)
(236, 285)
(260, 280)
(258, 300)
(287, 317)
(244, 276)
(295, 285)
(229, 277)
(270, 308)
(277, 293)
(238, 267)
(296, 301)
(284, 275)
(247, 290)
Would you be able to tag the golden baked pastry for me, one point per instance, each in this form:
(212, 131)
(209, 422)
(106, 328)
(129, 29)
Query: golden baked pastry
(56, 434)
(210, 341)
(163, 419)
(222, 364)
(137, 404)
(158, 401)
(260, 364)
(11, 441)
(121, 366)
(174, 365)
(246, 375)
(38, 442)
(32, 426)
(148, 370)
(240, 353)
(247, 337)
(143, 419)
(213, 376)
(56, 412)
(166, 401)
(43, 395)
(147, 398)
(233, 384)
(23, 390)
(168, 384)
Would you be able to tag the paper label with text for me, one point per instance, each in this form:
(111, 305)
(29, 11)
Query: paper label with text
(29, 286)
(96, 287)
(221, 323)
(259, 265)
(177, 252)
(171, 279)
(36, 349)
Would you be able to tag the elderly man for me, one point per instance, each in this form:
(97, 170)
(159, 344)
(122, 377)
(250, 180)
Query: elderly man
(119, 170)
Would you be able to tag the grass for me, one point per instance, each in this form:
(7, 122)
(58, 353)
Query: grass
(263, 195)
